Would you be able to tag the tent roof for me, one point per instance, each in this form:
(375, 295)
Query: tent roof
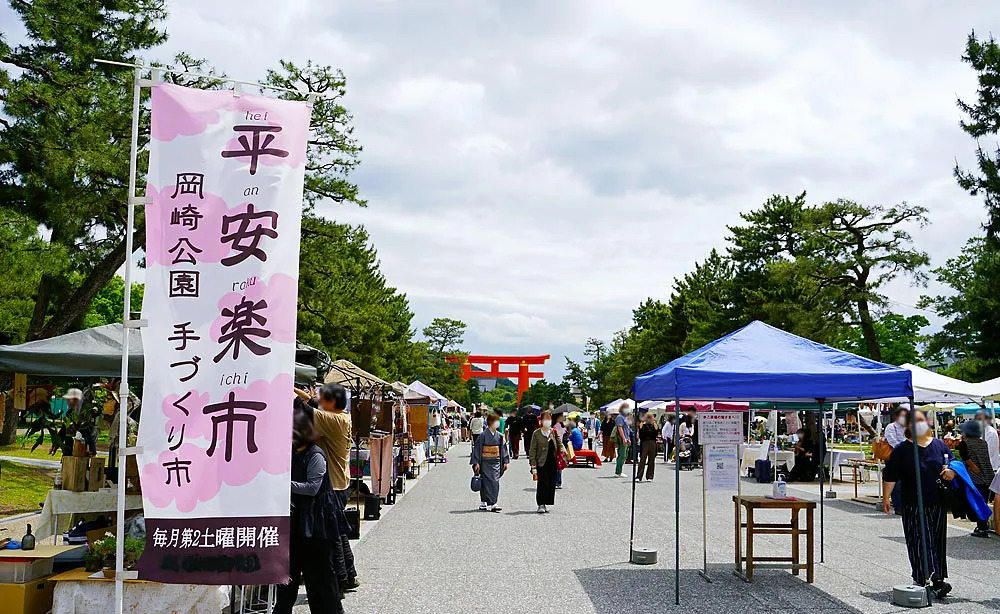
(95, 352)
(761, 363)
(346, 373)
(424, 390)
(930, 381)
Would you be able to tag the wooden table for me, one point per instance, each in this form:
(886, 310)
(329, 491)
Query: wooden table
(758, 528)
(855, 465)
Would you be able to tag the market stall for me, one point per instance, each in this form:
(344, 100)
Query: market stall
(762, 363)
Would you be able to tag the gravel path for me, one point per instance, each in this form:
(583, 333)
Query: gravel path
(436, 553)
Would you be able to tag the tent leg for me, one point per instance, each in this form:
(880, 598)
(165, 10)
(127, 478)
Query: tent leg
(822, 510)
(677, 512)
(635, 436)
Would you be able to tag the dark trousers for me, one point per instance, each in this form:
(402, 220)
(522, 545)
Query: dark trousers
(91, 439)
(515, 445)
(527, 441)
(343, 557)
(647, 458)
(475, 438)
(310, 562)
(668, 449)
(984, 490)
(935, 539)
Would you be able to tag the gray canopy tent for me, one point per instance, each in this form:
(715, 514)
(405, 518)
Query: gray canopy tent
(95, 352)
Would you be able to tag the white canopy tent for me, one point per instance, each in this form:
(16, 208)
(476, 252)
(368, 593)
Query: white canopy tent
(423, 390)
(929, 381)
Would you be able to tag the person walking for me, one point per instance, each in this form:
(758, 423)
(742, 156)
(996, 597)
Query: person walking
(490, 461)
(647, 446)
(607, 445)
(333, 425)
(934, 456)
(513, 433)
(559, 427)
(476, 427)
(314, 525)
(529, 424)
(668, 438)
(975, 454)
(990, 436)
(593, 430)
(542, 453)
(623, 428)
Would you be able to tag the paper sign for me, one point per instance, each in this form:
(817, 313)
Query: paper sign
(222, 252)
(722, 466)
(792, 422)
(720, 427)
(20, 393)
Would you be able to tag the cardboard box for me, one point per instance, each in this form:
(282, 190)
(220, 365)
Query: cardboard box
(34, 597)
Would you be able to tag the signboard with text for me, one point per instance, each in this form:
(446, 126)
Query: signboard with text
(720, 427)
(722, 466)
(222, 251)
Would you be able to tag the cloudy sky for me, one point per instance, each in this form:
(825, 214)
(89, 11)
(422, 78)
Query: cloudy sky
(537, 169)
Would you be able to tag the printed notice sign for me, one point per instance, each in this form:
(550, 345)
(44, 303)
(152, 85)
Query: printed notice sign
(720, 427)
(722, 470)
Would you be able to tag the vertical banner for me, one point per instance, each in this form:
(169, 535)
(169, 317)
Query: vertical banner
(222, 251)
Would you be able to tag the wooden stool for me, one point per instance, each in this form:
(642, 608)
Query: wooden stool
(755, 528)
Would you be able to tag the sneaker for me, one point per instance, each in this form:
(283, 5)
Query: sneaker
(352, 584)
(482, 507)
(496, 508)
(541, 509)
(618, 475)
(545, 509)
(978, 533)
(558, 487)
(941, 588)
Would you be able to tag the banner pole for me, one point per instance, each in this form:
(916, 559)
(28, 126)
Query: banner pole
(677, 512)
(123, 394)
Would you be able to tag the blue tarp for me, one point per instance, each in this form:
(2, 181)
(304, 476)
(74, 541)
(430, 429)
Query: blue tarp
(763, 363)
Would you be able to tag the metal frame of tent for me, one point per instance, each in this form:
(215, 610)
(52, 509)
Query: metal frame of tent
(860, 377)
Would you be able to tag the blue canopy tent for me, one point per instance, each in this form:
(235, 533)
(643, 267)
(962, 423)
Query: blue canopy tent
(761, 363)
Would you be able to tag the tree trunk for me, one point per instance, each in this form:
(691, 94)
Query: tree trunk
(9, 434)
(76, 305)
(868, 331)
(42, 297)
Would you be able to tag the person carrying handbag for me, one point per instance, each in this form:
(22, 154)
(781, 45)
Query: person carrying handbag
(544, 456)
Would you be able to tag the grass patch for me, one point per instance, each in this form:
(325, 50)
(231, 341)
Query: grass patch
(23, 488)
(22, 449)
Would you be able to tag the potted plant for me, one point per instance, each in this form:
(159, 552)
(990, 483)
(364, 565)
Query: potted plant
(101, 554)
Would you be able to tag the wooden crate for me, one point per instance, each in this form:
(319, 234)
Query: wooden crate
(95, 474)
(74, 473)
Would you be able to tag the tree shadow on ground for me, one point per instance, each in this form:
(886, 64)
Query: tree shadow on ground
(650, 591)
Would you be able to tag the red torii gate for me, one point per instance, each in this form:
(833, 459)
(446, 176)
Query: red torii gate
(522, 374)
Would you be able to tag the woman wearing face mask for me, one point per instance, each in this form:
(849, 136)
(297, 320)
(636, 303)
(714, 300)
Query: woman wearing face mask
(489, 462)
(545, 445)
(934, 457)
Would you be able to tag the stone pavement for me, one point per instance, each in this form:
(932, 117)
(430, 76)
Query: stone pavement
(434, 552)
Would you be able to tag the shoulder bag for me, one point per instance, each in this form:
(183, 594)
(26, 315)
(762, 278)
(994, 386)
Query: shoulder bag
(881, 450)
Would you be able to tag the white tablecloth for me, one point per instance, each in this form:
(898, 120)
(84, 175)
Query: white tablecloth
(59, 504)
(839, 456)
(96, 597)
(752, 452)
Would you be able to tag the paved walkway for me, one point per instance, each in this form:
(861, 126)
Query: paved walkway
(434, 552)
(33, 462)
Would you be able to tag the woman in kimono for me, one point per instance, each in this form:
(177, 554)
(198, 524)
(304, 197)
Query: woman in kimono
(489, 461)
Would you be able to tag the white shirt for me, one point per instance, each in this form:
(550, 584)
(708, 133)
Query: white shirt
(993, 443)
(476, 426)
(895, 434)
(686, 431)
(668, 430)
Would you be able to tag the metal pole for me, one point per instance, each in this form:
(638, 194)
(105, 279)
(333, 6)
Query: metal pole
(677, 512)
(924, 558)
(821, 442)
(126, 318)
(704, 512)
(833, 425)
(635, 434)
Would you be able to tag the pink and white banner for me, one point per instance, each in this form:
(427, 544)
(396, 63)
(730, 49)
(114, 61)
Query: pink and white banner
(222, 254)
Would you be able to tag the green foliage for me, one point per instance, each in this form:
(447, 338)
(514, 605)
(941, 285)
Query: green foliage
(972, 308)
(982, 119)
(475, 395)
(346, 307)
(333, 151)
(444, 335)
(501, 399)
(109, 303)
(542, 393)
(64, 140)
(24, 257)
(898, 336)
